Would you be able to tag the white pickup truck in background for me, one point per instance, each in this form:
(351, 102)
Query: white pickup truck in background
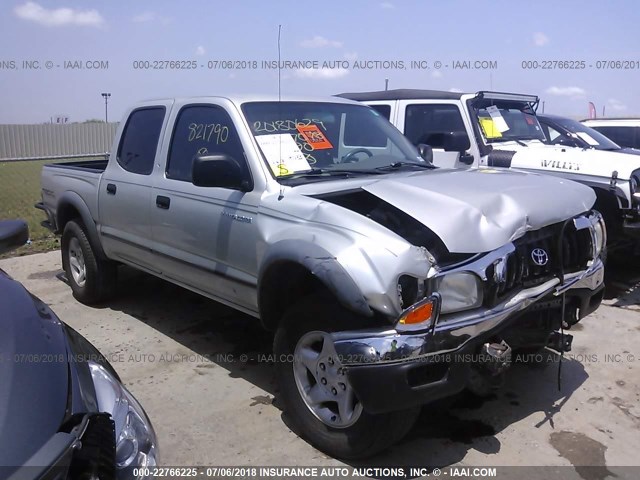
(496, 129)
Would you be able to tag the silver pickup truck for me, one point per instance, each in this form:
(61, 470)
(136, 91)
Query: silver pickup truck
(388, 283)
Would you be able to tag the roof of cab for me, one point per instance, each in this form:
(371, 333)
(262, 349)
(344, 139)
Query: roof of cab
(402, 94)
(244, 98)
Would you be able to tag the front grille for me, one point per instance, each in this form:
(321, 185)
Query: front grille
(96, 456)
(553, 258)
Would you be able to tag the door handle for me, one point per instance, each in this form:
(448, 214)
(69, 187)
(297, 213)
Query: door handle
(163, 202)
(111, 189)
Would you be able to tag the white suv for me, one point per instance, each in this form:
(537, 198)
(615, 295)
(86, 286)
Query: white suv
(624, 131)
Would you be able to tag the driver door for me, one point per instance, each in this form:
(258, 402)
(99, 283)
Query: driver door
(429, 123)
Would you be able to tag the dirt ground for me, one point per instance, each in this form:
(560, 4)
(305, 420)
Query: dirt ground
(196, 367)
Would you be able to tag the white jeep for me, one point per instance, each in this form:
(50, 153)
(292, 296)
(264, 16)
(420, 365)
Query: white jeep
(463, 130)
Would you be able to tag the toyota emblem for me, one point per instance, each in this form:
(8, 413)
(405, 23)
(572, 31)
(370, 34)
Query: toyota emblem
(539, 256)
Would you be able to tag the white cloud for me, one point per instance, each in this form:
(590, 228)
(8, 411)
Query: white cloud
(436, 74)
(455, 90)
(322, 73)
(351, 56)
(147, 17)
(319, 42)
(58, 17)
(573, 92)
(616, 105)
(387, 5)
(200, 50)
(540, 39)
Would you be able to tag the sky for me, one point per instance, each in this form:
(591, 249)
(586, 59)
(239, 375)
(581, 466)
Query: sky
(58, 56)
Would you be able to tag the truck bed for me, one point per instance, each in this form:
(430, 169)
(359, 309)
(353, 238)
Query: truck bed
(79, 178)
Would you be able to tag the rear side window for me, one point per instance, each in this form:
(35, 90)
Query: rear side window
(202, 130)
(384, 110)
(137, 149)
(428, 123)
(623, 136)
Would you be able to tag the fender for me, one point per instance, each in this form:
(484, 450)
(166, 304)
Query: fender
(72, 199)
(323, 265)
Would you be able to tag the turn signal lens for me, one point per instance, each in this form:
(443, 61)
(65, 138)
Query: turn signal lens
(419, 313)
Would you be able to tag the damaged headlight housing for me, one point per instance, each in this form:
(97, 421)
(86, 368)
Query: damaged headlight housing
(459, 291)
(599, 236)
(136, 442)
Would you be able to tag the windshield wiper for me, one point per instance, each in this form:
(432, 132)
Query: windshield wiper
(507, 139)
(401, 164)
(315, 172)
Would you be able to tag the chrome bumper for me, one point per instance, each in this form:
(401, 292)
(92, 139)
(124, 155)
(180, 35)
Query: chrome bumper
(366, 347)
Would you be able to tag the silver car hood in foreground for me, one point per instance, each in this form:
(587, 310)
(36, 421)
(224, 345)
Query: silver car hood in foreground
(479, 210)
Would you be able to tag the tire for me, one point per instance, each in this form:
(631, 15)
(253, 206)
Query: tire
(359, 436)
(608, 208)
(92, 279)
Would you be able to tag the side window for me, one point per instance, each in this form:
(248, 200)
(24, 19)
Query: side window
(202, 130)
(360, 130)
(623, 136)
(137, 149)
(552, 133)
(384, 110)
(429, 123)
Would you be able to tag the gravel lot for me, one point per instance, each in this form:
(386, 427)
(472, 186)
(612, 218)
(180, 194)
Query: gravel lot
(195, 366)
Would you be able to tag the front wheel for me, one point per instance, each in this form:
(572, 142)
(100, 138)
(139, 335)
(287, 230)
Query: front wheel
(315, 389)
(92, 279)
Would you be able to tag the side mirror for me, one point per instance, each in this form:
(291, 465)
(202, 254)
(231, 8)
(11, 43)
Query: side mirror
(426, 152)
(456, 142)
(218, 171)
(565, 141)
(13, 234)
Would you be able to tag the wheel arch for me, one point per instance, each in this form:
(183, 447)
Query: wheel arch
(292, 269)
(71, 206)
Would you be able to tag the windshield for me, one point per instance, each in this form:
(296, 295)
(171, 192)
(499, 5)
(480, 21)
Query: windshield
(592, 137)
(505, 121)
(316, 137)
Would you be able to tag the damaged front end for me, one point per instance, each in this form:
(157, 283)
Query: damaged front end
(469, 316)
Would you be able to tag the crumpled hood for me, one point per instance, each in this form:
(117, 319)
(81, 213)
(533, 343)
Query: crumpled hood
(479, 210)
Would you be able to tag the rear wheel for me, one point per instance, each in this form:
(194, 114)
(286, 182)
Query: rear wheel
(92, 279)
(314, 387)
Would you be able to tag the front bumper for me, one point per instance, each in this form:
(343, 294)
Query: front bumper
(390, 370)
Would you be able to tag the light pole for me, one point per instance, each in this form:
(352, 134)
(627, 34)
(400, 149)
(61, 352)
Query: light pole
(106, 102)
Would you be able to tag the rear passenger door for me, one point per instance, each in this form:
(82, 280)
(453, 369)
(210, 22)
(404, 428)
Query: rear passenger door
(124, 193)
(205, 238)
(428, 122)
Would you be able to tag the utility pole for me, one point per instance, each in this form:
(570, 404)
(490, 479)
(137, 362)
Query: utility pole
(386, 84)
(106, 108)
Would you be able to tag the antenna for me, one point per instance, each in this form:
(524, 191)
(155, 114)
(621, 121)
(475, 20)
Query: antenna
(279, 65)
(281, 195)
